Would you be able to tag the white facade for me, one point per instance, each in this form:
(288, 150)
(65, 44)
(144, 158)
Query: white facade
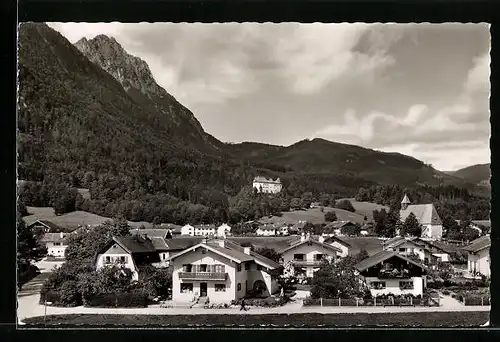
(266, 232)
(56, 249)
(187, 230)
(432, 231)
(479, 262)
(414, 286)
(117, 255)
(306, 258)
(267, 185)
(223, 230)
(205, 273)
(204, 230)
(283, 231)
(344, 249)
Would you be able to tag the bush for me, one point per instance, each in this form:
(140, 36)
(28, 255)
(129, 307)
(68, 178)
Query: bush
(136, 299)
(446, 292)
(56, 299)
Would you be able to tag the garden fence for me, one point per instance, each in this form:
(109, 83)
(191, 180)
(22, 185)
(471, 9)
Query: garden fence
(476, 300)
(391, 301)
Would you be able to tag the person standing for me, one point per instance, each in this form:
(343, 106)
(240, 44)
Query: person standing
(243, 305)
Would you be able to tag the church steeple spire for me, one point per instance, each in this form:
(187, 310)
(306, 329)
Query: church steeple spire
(405, 202)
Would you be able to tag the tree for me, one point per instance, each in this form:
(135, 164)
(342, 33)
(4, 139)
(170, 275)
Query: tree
(351, 229)
(345, 205)
(363, 254)
(29, 249)
(335, 280)
(295, 203)
(411, 226)
(21, 208)
(269, 253)
(330, 216)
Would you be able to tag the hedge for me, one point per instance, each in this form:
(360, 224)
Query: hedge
(118, 300)
(475, 300)
(55, 299)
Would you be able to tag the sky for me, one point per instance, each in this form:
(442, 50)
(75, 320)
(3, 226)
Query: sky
(418, 89)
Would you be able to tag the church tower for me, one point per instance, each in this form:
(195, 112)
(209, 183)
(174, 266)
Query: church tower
(405, 202)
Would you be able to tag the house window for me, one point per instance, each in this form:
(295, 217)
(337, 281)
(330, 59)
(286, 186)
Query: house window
(402, 249)
(247, 266)
(203, 268)
(220, 268)
(186, 287)
(298, 257)
(259, 268)
(238, 268)
(406, 285)
(318, 257)
(123, 259)
(239, 286)
(187, 268)
(107, 259)
(220, 287)
(377, 285)
(57, 243)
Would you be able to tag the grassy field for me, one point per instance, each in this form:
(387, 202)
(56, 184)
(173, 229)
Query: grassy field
(366, 208)
(415, 319)
(71, 220)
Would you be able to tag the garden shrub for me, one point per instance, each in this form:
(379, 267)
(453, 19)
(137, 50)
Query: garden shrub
(136, 299)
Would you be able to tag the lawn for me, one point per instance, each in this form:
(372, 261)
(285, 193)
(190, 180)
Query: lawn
(407, 319)
(70, 221)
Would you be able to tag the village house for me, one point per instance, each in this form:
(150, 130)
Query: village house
(56, 244)
(315, 205)
(266, 231)
(187, 230)
(336, 227)
(305, 256)
(204, 230)
(221, 271)
(223, 230)
(340, 244)
(426, 215)
(388, 272)
(173, 229)
(428, 253)
(132, 252)
(267, 185)
(45, 226)
(478, 257)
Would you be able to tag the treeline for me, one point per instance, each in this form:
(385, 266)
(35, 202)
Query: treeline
(449, 200)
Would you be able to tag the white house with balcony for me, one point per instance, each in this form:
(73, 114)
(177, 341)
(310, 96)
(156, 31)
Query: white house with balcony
(267, 185)
(305, 256)
(478, 257)
(426, 251)
(131, 252)
(222, 271)
(388, 272)
(340, 244)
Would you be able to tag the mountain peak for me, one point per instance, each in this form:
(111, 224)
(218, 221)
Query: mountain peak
(130, 71)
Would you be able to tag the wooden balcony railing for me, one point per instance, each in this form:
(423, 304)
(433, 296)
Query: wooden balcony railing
(314, 263)
(399, 274)
(203, 276)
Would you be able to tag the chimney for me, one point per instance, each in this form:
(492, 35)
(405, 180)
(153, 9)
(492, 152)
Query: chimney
(246, 250)
(61, 234)
(221, 243)
(321, 238)
(302, 237)
(204, 240)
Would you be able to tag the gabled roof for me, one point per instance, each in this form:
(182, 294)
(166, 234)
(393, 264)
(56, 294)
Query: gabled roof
(259, 259)
(310, 240)
(381, 257)
(150, 232)
(54, 237)
(478, 244)
(48, 224)
(135, 244)
(260, 179)
(181, 242)
(331, 239)
(159, 243)
(267, 227)
(393, 240)
(425, 213)
(338, 224)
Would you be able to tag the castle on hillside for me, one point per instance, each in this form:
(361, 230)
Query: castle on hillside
(263, 184)
(426, 215)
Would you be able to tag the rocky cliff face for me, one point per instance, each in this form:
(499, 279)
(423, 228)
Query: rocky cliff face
(134, 75)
